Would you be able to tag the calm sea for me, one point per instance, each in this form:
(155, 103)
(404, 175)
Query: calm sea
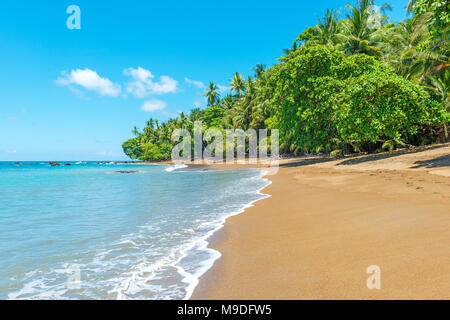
(87, 231)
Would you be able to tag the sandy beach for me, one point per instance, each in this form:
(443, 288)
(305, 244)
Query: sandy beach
(328, 220)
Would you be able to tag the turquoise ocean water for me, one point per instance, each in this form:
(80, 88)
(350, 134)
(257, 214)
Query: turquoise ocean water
(87, 231)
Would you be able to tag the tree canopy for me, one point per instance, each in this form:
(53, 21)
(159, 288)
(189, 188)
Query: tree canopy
(361, 83)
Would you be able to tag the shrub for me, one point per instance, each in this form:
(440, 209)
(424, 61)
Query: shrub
(323, 99)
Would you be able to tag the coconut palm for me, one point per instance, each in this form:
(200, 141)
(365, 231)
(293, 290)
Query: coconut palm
(237, 84)
(287, 51)
(328, 27)
(435, 57)
(361, 26)
(227, 102)
(406, 47)
(439, 84)
(259, 70)
(212, 94)
(399, 44)
(241, 116)
(182, 120)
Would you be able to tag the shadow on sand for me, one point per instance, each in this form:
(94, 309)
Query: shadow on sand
(387, 155)
(307, 161)
(442, 161)
(355, 159)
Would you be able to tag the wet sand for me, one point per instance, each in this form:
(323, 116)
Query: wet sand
(327, 221)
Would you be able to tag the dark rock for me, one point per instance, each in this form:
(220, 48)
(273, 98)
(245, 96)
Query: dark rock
(54, 164)
(68, 164)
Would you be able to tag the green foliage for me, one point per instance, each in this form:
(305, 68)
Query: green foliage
(388, 145)
(132, 148)
(322, 96)
(154, 151)
(336, 153)
(357, 84)
(439, 17)
(213, 116)
(238, 84)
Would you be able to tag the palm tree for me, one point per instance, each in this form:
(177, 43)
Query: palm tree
(243, 109)
(440, 85)
(212, 94)
(328, 27)
(399, 44)
(255, 104)
(436, 56)
(289, 50)
(237, 84)
(183, 120)
(259, 70)
(407, 48)
(227, 102)
(361, 26)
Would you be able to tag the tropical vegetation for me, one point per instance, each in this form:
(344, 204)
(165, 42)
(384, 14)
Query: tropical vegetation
(357, 84)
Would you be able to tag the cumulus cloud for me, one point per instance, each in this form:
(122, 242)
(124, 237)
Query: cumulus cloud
(196, 83)
(89, 80)
(143, 85)
(153, 105)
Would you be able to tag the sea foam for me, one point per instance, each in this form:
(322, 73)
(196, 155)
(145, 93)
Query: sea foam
(142, 236)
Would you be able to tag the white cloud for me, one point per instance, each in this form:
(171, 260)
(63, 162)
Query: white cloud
(200, 102)
(143, 85)
(196, 83)
(153, 105)
(222, 88)
(89, 80)
(105, 153)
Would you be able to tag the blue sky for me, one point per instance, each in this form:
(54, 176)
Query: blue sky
(76, 94)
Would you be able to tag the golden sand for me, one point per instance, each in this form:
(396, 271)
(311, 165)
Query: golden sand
(327, 221)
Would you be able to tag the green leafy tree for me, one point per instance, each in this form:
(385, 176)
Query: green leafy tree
(132, 148)
(361, 83)
(325, 100)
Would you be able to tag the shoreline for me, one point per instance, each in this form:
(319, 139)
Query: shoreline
(205, 244)
(328, 220)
